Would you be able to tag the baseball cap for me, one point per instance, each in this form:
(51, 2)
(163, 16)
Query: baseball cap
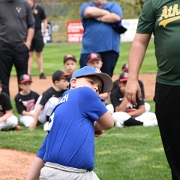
(91, 71)
(0, 83)
(125, 67)
(69, 56)
(123, 77)
(58, 74)
(25, 78)
(94, 56)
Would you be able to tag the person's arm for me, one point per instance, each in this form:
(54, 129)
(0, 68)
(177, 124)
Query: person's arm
(30, 35)
(136, 57)
(109, 18)
(94, 12)
(34, 171)
(36, 114)
(44, 26)
(105, 122)
(6, 115)
(122, 106)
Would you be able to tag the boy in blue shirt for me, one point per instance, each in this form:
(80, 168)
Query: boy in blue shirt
(68, 150)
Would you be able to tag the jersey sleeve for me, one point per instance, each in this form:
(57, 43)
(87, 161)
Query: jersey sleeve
(18, 104)
(43, 15)
(115, 98)
(45, 97)
(6, 102)
(90, 104)
(115, 8)
(147, 18)
(83, 8)
(42, 149)
(30, 18)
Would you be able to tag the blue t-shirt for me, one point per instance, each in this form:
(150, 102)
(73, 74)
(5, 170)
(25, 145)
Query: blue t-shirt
(100, 36)
(70, 141)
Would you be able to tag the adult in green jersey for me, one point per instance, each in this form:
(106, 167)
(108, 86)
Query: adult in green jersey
(161, 18)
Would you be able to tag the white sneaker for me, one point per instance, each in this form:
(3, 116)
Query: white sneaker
(46, 126)
(150, 123)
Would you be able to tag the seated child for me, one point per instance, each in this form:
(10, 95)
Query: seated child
(25, 100)
(125, 69)
(116, 85)
(94, 60)
(50, 98)
(7, 120)
(68, 150)
(70, 64)
(127, 114)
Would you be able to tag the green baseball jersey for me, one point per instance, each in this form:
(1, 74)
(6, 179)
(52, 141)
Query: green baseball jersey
(162, 18)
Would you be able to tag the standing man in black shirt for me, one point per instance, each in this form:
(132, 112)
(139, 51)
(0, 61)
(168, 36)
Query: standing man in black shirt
(37, 42)
(16, 32)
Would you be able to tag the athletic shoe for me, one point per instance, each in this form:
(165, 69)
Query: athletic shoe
(42, 76)
(17, 128)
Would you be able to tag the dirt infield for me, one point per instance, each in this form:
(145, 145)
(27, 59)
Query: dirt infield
(14, 165)
(41, 85)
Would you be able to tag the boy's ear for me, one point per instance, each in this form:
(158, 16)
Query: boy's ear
(73, 83)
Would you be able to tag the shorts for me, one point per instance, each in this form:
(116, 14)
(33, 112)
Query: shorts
(37, 42)
(52, 171)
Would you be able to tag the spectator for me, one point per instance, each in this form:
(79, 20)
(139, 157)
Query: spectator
(128, 114)
(68, 150)
(70, 64)
(25, 100)
(37, 41)
(98, 19)
(16, 32)
(161, 19)
(49, 99)
(7, 120)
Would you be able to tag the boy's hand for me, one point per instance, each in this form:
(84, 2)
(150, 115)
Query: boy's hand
(99, 133)
(32, 126)
(97, 130)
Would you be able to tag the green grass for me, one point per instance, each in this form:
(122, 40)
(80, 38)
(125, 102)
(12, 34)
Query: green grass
(53, 58)
(121, 153)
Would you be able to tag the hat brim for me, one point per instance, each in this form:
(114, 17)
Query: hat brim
(106, 79)
(122, 80)
(70, 58)
(23, 81)
(94, 59)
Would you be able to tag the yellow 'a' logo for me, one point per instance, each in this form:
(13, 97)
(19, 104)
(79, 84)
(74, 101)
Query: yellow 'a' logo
(169, 15)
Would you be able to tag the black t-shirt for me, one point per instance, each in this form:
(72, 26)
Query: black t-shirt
(39, 15)
(51, 92)
(26, 102)
(5, 103)
(117, 97)
(140, 84)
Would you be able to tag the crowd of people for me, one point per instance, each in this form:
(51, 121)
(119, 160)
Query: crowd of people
(110, 104)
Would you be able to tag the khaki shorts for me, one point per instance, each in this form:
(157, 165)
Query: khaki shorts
(52, 171)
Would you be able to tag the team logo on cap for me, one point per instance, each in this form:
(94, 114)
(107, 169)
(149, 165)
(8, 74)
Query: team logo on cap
(93, 55)
(68, 56)
(125, 75)
(26, 77)
(97, 70)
